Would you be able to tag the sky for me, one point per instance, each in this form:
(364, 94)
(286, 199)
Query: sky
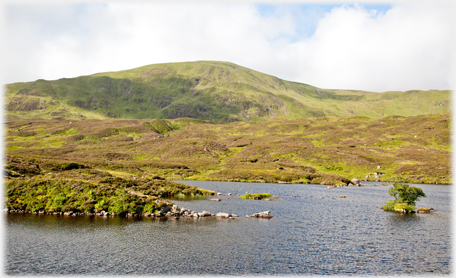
(373, 46)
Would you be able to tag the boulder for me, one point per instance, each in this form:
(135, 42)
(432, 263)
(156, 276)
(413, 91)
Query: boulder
(264, 214)
(222, 215)
(215, 200)
(175, 209)
(164, 209)
(400, 210)
(423, 210)
(355, 182)
(205, 213)
(184, 211)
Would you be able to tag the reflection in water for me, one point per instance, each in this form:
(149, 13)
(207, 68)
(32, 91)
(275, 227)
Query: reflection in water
(308, 235)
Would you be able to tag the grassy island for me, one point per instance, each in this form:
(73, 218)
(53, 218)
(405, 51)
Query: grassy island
(405, 198)
(256, 196)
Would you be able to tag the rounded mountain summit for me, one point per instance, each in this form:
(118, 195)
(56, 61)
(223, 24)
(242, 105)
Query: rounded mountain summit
(209, 90)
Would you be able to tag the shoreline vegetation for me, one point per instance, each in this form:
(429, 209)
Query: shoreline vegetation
(87, 191)
(126, 166)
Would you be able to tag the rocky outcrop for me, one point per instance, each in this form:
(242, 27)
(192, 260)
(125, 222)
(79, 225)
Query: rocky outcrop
(173, 212)
(424, 210)
(264, 214)
(226, 215)
(354, 182)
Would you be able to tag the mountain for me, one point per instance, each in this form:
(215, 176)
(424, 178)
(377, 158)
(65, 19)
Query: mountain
(217, 91)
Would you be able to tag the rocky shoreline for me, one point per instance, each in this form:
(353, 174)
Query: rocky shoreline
(173, 212)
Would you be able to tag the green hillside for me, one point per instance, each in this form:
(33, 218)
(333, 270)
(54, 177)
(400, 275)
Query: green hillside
(217, 91)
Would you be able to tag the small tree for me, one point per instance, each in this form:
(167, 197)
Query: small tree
(405, 197)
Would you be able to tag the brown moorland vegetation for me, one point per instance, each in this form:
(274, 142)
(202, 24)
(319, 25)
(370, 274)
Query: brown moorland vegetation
(324, 150)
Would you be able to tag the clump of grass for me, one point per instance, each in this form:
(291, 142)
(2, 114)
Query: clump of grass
(256, 196)
(206, 192)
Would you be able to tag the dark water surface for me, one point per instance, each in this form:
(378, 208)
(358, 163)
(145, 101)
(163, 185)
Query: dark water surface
(308, 235)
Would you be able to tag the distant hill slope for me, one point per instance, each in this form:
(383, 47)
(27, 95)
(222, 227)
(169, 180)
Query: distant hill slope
(217, 91)
(325, 150)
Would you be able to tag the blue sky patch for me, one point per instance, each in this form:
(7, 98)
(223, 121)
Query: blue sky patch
(307, 16)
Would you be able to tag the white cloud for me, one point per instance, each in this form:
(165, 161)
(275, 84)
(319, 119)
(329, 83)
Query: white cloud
(408, 47)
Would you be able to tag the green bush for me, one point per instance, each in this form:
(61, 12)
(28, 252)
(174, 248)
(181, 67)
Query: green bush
(150, 208)
(389, 206)
(116, 206)
(405, 197)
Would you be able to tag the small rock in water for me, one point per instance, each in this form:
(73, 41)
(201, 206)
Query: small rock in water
(423, 210)
(206, 213)
(264, 214)
(355, 182)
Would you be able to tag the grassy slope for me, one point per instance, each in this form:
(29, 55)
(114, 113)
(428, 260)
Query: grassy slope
(326, 150)
(217, 91)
